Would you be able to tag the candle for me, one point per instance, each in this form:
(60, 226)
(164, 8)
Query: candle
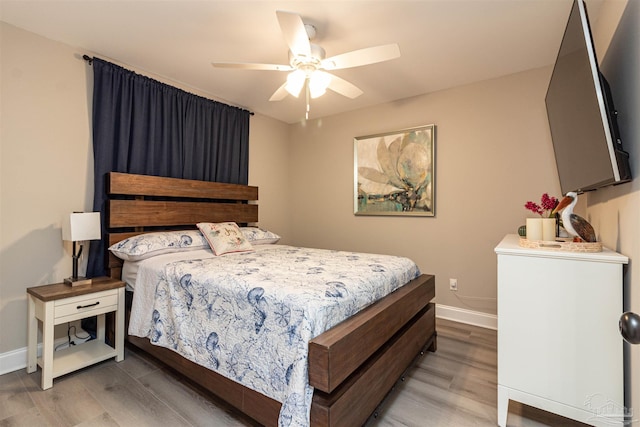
(534, 228)
(549, 229)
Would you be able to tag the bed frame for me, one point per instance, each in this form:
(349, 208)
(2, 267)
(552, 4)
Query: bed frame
(351, 366)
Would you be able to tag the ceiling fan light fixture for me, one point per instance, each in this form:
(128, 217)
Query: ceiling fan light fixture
(308, 62)
(295, 82)
(318, 83)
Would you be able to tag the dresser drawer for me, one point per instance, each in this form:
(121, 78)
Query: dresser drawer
(85, 305)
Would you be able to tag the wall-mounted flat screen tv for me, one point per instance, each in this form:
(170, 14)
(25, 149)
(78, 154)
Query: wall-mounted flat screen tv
(581, 114)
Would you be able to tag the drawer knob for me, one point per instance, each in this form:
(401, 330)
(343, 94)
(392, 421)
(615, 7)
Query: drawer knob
(88, 305)
(629, 325)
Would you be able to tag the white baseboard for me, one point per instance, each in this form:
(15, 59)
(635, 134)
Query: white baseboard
(476, 318)
(13, 360)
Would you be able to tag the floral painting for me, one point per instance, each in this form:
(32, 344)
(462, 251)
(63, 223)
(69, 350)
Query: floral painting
(394, 173)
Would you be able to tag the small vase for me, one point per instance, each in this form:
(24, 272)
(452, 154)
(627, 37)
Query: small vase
(534, 228)
(549, 229)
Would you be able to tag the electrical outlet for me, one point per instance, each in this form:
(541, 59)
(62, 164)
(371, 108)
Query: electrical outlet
(453, 284)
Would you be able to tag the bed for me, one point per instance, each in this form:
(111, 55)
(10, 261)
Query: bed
(351, 366)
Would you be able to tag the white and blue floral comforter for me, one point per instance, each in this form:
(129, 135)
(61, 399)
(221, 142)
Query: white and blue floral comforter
(250, 316)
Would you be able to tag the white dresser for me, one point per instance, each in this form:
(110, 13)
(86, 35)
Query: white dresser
(559, 348)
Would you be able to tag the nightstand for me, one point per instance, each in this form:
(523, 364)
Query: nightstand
(59, 303)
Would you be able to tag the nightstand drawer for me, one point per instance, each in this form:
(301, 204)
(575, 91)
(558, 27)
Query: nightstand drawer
(86, 305)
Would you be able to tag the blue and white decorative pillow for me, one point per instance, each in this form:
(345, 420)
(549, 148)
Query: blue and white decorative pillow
(259, 236)
(144, 246)
(224, 237)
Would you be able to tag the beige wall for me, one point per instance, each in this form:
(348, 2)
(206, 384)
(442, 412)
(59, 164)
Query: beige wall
(46, 167)
(45, 170)
(615, 211)
(493, 153)
(269, 158)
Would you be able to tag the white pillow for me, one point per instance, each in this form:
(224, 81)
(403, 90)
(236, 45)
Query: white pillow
(258, 236)
(224, 237)
(144, 246)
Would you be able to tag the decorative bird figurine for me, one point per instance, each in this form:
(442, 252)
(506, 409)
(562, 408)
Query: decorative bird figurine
(574, 224)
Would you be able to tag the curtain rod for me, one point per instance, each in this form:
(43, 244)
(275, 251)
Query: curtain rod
(90, 61)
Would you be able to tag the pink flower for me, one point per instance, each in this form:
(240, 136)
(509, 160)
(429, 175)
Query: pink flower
(548, 203)
(533, 208)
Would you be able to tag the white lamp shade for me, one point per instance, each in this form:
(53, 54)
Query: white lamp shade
(81, 226)
(295, 81)
(318, 83)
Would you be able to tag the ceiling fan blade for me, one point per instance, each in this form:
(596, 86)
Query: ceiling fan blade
(250, 66)
(356, 58)
(343, 87)
(294, 32)
(280, 93)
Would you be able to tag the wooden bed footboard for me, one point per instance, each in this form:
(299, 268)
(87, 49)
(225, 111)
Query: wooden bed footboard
(356, 399)
(351, 366)
(331, 355)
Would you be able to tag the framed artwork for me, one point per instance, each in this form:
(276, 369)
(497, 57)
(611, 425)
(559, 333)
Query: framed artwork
(394, 173)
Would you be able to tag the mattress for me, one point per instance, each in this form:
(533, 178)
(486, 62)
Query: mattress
(250, 316)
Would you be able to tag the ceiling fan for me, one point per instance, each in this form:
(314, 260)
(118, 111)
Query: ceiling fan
(308, 64)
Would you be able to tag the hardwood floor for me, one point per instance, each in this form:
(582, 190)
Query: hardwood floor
(456, 386)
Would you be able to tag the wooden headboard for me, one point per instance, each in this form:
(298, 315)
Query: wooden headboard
(143, 203)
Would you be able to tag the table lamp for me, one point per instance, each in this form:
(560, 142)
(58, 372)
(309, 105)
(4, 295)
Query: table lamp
(78, 227)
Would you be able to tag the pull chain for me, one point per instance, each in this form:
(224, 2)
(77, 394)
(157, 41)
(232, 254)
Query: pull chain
(306, 85)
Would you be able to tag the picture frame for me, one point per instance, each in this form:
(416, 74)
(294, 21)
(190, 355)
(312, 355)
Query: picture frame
(394, 173)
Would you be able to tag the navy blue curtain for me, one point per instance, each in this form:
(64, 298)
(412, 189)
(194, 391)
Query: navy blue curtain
(146, 127)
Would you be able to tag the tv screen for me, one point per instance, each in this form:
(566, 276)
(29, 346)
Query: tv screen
(582, 118)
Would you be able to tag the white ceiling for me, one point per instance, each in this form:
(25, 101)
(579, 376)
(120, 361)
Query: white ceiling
(443, 43)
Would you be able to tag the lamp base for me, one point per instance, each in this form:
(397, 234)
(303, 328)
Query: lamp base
(77, 281)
